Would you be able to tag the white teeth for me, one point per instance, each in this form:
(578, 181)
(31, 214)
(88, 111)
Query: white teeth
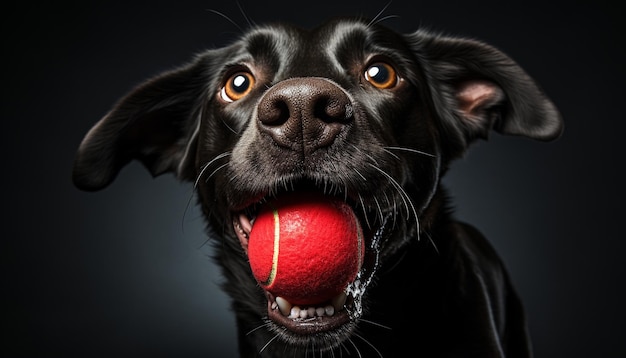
(319, 311)
(295, 312)
(283, 305)
(291, 311)
(245, 223)
(329, 310)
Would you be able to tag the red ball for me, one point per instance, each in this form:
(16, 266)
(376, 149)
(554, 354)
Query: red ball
(306, 247)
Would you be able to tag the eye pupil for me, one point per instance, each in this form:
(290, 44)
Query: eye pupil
(378, 73)
(240, 83)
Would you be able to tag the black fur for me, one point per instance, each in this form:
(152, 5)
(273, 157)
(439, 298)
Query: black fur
(313, 121)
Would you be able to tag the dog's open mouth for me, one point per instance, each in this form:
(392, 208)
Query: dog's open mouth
(306, 306)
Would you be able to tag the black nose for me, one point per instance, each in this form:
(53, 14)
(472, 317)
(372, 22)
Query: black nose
(304, 114)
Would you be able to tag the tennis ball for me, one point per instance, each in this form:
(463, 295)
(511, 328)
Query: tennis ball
(305, 247)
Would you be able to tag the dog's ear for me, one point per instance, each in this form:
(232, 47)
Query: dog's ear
(477, 88)
(155, 123)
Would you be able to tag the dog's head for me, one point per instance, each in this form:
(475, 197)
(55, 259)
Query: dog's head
(349, 109)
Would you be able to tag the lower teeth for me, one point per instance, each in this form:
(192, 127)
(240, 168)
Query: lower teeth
(294, 311)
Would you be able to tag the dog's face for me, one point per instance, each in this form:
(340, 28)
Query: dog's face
(349, 109)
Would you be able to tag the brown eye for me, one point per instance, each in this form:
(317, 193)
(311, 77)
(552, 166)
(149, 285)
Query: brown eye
(381, 75)
(237, 86)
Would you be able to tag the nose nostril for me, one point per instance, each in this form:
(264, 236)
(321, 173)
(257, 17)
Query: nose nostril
(332, 110)
(274, 113)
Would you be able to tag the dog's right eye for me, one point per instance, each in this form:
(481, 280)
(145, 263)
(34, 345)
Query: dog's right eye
(237, 86)
(381, 75)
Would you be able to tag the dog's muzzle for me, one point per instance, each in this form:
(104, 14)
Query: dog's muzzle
(299, 121)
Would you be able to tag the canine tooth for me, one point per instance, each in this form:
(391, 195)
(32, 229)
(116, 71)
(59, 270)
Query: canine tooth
(338, 301)
(295, 312)
(245, 223)
(329, 310)
(283, 305)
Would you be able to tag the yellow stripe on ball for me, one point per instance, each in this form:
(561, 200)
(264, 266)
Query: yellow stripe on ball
(274, 268)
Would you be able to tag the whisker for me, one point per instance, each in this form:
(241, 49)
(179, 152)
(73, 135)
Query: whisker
(227, 18)
(375, 324)
(268, 343)
(195, 185)
(374, 20)
(403, 194)
(206, 166)
(364, 211)
(369, 344)
(245, 15)
(355, 347)
(390, 204)
(391, 153)
(432, 241)
(386, 18)
(394, 205)
(257, 328)
(380, 211)
(359, 173)
(412, 151)
(215, 171)
(229, 127)
(367, 155)
(187, 206)
(396, 185)
(343, 347)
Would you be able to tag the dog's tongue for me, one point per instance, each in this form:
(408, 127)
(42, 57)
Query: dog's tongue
(305, 247)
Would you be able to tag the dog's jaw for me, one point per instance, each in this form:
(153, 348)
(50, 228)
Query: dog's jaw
(308, 320)
(341, 313)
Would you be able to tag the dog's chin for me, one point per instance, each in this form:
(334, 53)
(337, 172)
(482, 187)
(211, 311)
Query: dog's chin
(323, 324)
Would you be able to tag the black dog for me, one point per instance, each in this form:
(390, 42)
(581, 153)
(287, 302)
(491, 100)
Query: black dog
(354, 110)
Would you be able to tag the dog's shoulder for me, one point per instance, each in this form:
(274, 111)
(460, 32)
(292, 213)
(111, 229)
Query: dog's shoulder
(471, 257)
(480, 295)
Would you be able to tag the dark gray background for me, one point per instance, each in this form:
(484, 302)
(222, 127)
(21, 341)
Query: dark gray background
(124, 272)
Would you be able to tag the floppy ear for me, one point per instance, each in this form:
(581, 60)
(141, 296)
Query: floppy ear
(155, 124)
(477, 88)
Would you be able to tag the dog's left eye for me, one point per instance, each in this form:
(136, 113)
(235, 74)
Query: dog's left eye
(237, 86)
(381, 75)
